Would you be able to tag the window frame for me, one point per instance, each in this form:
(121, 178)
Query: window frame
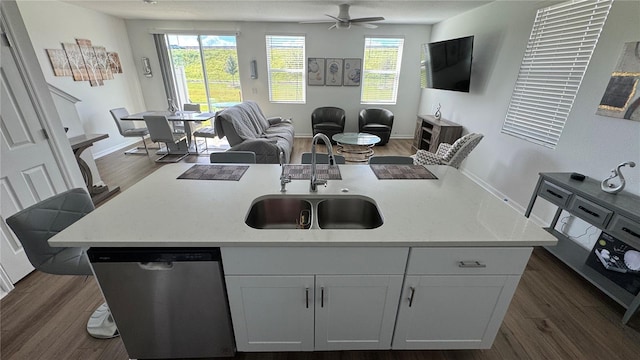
(396, 82)
(180, 97)
(271, 70)
(551, 71)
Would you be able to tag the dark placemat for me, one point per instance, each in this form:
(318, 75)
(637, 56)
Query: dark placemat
(384, 172)
(215, 172)
(303, 172)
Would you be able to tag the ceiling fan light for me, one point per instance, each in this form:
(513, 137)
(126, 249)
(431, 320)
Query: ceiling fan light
(343, 25)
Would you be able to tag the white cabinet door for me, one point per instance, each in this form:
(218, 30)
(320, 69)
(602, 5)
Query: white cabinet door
(356, 312)
(452, 312)
(272, 313)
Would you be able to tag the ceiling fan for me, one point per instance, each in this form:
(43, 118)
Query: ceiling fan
(344, 21)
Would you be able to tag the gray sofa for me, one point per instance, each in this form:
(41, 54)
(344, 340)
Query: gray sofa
(247, 129)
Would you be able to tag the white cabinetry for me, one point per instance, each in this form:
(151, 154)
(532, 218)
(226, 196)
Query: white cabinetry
(287, 299)
(270, 313)
(356, 312)
(456, 298)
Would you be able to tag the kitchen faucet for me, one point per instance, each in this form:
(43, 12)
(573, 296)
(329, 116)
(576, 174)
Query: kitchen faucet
(284, 180)
(314, 180)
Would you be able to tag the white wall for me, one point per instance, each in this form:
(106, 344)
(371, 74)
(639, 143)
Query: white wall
(320, 42)
(51, 23)
(590, 144)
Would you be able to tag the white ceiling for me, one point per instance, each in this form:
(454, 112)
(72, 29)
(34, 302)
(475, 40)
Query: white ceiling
(394, 11)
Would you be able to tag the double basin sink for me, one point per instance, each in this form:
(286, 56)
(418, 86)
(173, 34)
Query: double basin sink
(314, 212)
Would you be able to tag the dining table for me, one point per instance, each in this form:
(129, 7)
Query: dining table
(187, 117)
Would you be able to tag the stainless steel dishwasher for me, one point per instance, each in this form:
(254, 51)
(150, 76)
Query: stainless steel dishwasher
(166, 302)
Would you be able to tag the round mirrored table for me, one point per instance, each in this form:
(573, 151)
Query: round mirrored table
(356, 147)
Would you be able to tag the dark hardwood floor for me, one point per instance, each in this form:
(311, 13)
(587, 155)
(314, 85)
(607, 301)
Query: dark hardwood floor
(555, 314)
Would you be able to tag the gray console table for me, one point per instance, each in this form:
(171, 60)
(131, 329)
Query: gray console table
(617, 215)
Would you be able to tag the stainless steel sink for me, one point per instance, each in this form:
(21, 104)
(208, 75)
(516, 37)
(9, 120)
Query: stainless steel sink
(348, 213)
(279, 213)
(319, 212)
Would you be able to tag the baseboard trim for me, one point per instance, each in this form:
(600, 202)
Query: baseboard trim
(107, 151)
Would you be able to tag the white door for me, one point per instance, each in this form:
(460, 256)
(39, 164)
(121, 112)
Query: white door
(28, 171)
(452, 312)
(272, 313)
(356, 312)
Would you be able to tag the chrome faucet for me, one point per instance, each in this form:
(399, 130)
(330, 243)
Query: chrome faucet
(314, 178)
(284, 180)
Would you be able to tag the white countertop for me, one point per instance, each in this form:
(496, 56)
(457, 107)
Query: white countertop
(161, 211)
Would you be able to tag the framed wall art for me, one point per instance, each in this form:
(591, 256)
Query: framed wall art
(352, 72)
(621, 98)
(315, 71)
(334, 72)
(85, 62)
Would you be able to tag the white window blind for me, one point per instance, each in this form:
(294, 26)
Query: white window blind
(285, 62)
(560, 46)
(381, 70)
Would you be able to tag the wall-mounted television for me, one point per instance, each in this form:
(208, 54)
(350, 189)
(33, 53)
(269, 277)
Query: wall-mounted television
(446, 64)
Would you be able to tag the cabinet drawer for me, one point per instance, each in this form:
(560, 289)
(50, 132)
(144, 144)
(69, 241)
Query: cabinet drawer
(625, 229)
(313, 260)
(555, 194)
(593, 213)
(453, 261)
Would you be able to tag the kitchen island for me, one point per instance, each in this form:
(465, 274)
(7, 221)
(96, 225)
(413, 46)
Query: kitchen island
(439, 273)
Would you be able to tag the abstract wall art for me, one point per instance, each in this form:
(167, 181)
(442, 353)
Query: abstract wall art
(621, 98)
(85, 62)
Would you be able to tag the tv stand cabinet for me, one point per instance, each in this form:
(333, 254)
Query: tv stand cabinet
(431, 132)
(617, 215)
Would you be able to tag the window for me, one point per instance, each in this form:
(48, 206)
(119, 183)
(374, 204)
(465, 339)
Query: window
(205, 70)
(557, 55)
(285, 62)
(381, 70)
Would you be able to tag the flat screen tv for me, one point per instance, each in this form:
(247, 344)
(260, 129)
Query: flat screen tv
(446, 64)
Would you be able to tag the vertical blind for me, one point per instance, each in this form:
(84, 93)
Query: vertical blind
(285, 62)
(381, 70)
(558, 52)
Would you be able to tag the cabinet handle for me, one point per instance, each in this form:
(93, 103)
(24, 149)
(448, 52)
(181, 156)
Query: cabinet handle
(554, 194)
(471, 264)
(322, 297)
(631, 232)
(594, 214)
(306, 293)
(412, 292)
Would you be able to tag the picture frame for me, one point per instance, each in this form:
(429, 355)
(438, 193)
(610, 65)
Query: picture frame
(334, 71)
(315, 71)
(352, 72)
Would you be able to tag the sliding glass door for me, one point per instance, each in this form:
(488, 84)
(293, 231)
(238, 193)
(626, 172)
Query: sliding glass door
(205, 70)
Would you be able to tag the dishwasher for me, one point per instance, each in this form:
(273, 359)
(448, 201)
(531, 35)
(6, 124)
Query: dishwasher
(166, 302)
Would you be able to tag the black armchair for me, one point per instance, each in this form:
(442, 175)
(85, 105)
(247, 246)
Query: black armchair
(377, 122)
(328, 120)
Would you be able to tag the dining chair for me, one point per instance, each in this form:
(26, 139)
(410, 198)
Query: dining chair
(205, 132)
(321, 158)
(160, 131)
(187, 128)
(36, 224)
(233, 157)
(178, 126)
(391, 159)
(128, 129)
(449, 154)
